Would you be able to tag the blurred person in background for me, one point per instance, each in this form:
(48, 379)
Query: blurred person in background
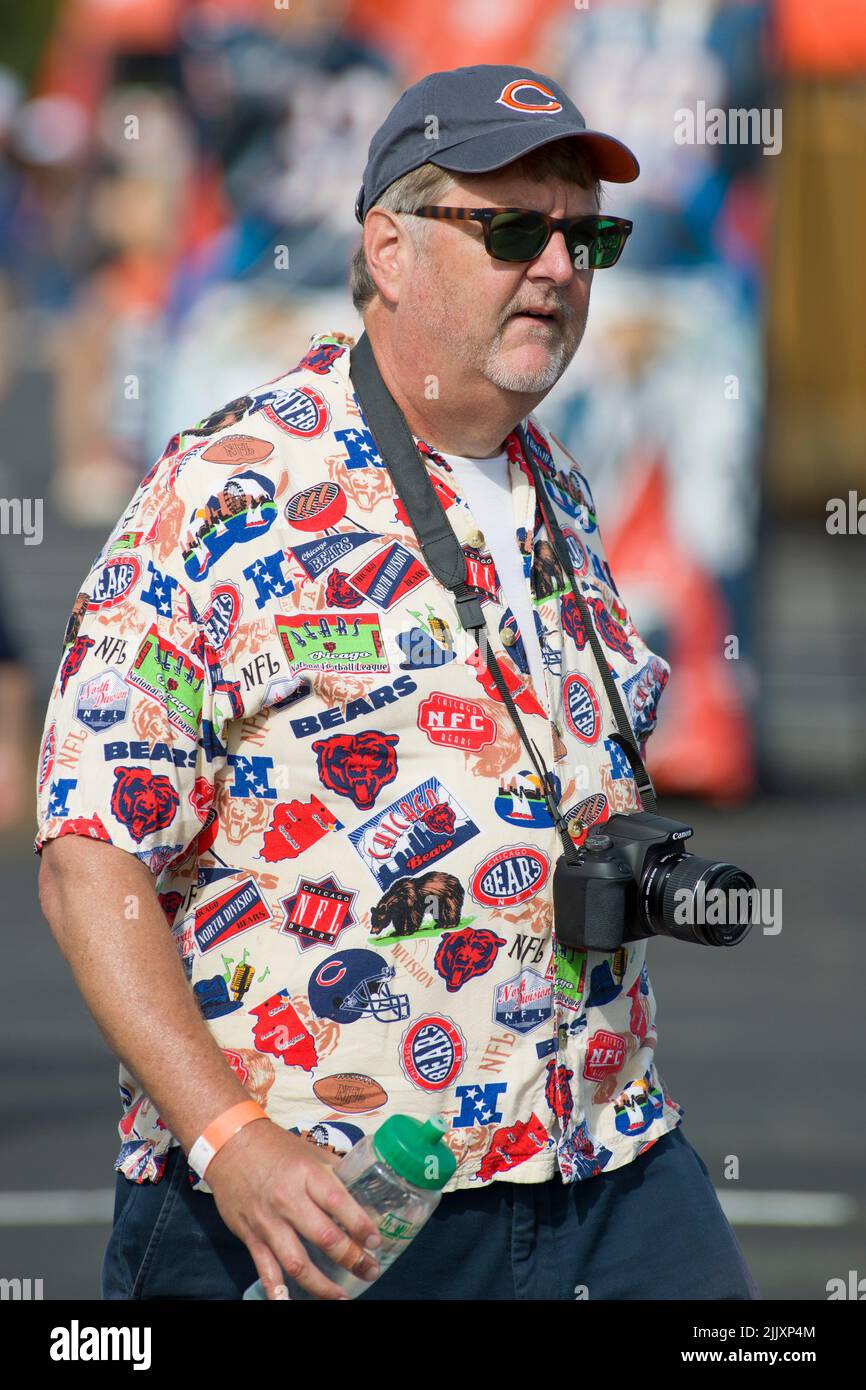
(165, 152)
(282, 114)
(111, 340)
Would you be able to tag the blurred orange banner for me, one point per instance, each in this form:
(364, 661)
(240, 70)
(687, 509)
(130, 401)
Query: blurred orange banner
(423, 37)
(821, 39)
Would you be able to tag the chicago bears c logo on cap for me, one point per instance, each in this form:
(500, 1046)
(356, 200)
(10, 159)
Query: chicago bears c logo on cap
(508, 96)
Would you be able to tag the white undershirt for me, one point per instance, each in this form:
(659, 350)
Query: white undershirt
(487, 488)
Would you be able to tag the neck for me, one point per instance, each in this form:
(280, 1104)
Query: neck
(467, 417)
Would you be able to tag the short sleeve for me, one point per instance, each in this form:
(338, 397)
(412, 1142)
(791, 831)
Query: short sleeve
(132, 739)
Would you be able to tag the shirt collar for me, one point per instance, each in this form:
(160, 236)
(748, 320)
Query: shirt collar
(340, 367)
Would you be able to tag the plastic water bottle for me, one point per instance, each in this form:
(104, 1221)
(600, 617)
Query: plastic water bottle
(397, 1176)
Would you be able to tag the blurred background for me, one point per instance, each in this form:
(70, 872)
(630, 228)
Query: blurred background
(177, 182)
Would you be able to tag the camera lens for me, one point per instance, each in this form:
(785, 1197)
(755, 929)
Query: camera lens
(702, 900)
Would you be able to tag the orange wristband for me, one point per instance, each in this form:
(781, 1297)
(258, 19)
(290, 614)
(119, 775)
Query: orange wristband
(220, 1130)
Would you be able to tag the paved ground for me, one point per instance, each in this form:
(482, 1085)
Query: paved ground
(761, 1045)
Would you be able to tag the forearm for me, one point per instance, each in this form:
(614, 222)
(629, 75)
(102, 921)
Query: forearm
(102, 907)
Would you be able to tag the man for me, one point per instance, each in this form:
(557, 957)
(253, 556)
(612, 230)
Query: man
(270, 731)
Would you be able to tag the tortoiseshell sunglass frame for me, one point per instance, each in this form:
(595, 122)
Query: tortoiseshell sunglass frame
(583, 232)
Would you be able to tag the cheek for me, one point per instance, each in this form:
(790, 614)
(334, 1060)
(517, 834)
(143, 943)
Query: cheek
(448, 284)
(464, 294)
(467, 283)
(583, 286)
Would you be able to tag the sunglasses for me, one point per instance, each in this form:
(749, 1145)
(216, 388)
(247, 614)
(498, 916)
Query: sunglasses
(517, 234)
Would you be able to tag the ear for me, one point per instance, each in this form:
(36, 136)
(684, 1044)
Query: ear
(389, 251)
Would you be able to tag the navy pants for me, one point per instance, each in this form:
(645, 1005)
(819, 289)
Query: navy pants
(653, 1229)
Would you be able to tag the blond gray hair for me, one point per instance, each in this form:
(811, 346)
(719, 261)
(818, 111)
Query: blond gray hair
(428, 183)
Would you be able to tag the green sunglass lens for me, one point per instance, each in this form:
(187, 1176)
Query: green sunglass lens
(607, 244)
(516, 237)
(596, 245)
(519, 236)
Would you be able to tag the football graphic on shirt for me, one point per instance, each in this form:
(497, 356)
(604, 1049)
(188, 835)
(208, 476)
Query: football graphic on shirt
(572, 622)
(611, 633)
(143, 801)
(237, 449)
(350, 1092)
(357, 765)
(440, 819)
(514, 1144)
(465, 954)
(547, 575)
(71, 663)
(409, 900)
(339, 593)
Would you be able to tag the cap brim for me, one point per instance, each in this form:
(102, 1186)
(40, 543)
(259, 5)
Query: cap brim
(612, 161)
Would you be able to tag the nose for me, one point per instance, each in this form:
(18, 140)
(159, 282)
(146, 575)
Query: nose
(554, 263)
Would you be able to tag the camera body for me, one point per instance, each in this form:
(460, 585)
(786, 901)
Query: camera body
(632, 879)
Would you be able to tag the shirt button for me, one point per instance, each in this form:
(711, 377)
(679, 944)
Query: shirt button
(508, 637)
(475, 540)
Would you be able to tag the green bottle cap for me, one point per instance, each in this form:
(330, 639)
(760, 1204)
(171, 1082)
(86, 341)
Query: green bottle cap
(414, 1149)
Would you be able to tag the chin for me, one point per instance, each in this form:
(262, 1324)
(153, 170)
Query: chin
(528, 370)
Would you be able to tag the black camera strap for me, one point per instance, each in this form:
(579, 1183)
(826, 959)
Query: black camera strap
(624, 735)
(439, 545)
(445, 559)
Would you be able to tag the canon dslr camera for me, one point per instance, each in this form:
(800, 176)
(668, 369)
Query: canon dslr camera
(632, 879)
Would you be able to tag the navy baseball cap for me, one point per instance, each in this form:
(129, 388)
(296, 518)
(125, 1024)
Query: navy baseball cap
(485, 117)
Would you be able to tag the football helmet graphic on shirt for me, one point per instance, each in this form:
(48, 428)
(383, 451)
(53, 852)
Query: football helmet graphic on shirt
(354, 984)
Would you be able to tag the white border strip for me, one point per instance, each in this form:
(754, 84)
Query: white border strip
(742, 1208)
(787, 1208)
(95, 1208)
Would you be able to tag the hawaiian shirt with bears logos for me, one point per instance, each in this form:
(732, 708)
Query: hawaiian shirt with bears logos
(267, 699)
